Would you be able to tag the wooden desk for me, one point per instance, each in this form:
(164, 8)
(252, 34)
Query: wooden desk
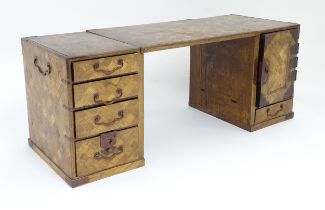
(85, 90)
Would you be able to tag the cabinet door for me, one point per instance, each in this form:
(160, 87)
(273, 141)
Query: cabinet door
(278, 60)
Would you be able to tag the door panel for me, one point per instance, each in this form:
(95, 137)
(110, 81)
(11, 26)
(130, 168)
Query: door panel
(278, 60)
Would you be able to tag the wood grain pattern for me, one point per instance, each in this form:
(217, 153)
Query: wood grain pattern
(229, 68)
(85, 119)
(82, 45)
(270, 122)
(115, 170)
(158, 36)
(49, 122)
(275, 81)
(86, 149)
(273, 111)
(197, 96)
(84, 70)
(109, 90)
(77, 181)
(228, 54)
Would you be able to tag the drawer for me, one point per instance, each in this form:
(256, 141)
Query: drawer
(106, 67)
(106, 151)
(273, 111)
(106, 91)
(102, 119)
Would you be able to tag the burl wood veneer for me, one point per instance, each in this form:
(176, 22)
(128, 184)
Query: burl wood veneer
(85, 90)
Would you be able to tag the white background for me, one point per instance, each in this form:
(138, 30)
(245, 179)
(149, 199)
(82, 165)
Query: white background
(193, 160)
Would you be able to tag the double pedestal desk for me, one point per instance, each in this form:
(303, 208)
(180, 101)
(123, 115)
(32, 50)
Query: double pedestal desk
(85, 89)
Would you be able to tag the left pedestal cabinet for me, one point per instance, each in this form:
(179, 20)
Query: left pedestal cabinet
(85, 104)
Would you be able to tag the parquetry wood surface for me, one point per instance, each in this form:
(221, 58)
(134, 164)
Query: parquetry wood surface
(276, 66)
(107, 90)
(85, 150)
(84, 70)
(227, 80)
(171, 34)
(77, 181)
(49, 121)
(85, 119)
(82, 45)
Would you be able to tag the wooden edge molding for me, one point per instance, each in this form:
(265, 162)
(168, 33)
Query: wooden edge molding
(75, 182)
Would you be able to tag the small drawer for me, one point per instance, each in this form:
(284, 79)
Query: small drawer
(106, 67)
(105, 91)
(106, 151)
(273, 111)
(102, 119)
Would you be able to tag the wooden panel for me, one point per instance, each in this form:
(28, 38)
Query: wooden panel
(106, 91)
(273, 111)
(172, 34)
(110, 118)
(230, 68)
(82, 44)
(271, 122)
(86, 149)
(77, 181)
(278, 63)
(50, 124)
(106, 67)
(197, 78)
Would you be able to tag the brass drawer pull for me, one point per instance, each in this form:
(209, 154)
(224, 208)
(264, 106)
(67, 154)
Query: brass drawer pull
(275, 113)
(120, 115)
(44, 72)
(109, 153)
(120, 63)
(119, 93)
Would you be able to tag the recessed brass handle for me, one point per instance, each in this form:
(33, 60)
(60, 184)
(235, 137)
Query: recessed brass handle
(109, 153)
(275, 113)
(120, 115)
(44, 72)
(120, 63)
(119, 94)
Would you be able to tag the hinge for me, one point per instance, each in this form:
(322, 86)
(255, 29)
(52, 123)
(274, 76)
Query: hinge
(293, 75)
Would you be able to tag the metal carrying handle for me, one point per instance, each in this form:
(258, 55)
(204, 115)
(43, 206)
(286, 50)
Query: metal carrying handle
(119, 93)
(44, 72)
(275, 113)
(109, 153)
(120, 115)
(120, 63)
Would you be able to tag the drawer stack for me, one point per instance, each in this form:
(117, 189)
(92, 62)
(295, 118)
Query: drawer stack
(85, 104)
(107, 112)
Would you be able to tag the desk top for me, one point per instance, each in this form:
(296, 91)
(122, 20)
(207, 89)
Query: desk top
(157, 36)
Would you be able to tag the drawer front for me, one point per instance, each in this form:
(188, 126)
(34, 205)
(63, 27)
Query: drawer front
(273, 111)
(105, 67)
(106, 91)
(102, 119)
(91, 156)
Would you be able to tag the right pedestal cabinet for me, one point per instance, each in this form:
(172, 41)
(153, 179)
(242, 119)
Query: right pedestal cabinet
(249, 81)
